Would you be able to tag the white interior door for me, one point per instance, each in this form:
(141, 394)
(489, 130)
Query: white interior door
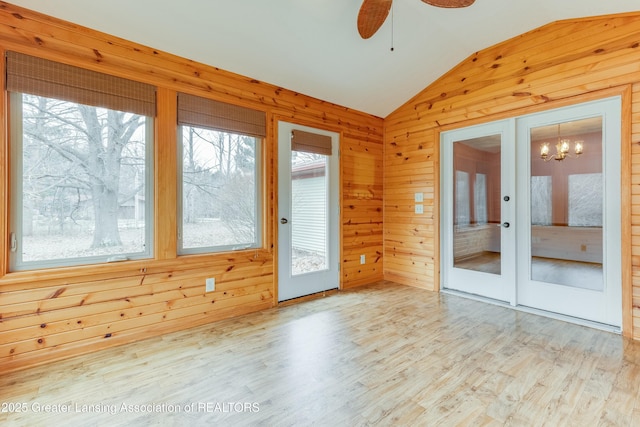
(569, 242)
(308, 215)
(478, 210)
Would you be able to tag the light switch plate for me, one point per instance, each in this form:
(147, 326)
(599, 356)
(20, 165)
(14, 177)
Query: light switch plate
(418, 197)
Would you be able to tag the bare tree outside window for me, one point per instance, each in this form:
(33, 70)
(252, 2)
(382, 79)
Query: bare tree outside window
(219, 193)
(83, 181)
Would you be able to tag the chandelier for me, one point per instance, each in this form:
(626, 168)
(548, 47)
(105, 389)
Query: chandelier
(562, 148)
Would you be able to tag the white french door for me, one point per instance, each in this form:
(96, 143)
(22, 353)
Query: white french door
(308, 216)
(478, 210)
(542, 233)
(569, 242)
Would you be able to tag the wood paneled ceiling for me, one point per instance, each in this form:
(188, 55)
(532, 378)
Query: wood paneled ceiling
(313, 46)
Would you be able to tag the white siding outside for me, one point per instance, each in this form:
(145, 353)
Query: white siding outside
(309, 216)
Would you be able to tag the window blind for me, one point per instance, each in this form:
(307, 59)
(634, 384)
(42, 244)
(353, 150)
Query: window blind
(42, 77)
(310, 142)
(198, 111)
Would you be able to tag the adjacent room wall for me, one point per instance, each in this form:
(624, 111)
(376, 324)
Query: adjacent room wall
(558, 64)
(48, 315)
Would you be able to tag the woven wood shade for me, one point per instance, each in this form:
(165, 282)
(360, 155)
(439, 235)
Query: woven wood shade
(207, 113)
(450, 3)
(310, 142)
(42, 77)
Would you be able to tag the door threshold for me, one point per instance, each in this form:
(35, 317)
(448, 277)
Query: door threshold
(536, 311)
(309, 297)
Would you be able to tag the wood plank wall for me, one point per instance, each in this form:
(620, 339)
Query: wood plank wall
(559, 64)
(48, 315)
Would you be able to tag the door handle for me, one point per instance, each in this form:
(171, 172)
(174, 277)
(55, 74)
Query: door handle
(283, 220)
(504, 224)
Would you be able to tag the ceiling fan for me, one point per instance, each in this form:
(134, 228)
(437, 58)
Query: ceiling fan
(374, 12)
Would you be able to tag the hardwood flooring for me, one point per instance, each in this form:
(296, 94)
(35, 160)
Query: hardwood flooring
(383, 354)
(586, 275)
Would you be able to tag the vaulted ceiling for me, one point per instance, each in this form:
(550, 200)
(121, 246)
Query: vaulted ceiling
(313, 46)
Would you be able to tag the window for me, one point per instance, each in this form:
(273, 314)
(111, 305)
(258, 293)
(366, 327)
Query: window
(480, 198)
(463, 208)
(219, 170)
(585, 200)
(541, 201)
(81, 165)
(309, 201)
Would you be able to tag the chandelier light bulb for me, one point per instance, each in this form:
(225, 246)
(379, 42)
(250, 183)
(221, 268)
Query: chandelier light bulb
(544, 150)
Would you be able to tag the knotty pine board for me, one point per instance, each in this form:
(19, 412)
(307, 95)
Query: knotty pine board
(559, 64)
(47, 315)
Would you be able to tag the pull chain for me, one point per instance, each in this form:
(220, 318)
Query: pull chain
(391, 27)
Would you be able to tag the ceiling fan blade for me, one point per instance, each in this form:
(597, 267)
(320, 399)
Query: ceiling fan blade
(371, 16)
(449, 3)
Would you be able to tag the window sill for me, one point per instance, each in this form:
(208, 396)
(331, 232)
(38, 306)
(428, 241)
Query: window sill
(32, 279)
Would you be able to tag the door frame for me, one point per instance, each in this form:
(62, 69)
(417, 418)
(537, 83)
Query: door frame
(283, 127)
(626, 289)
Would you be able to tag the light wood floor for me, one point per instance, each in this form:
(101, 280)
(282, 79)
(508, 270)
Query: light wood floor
(379, 355)
(577, 274)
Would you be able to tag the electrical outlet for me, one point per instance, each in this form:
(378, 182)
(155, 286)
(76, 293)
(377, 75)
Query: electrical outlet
(362, 259)
(210, 284)
(419, 209)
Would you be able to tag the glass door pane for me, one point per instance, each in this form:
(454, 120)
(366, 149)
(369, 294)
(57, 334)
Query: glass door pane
(478, 210)
(476, 207)
(566, 206)
(309, 204)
